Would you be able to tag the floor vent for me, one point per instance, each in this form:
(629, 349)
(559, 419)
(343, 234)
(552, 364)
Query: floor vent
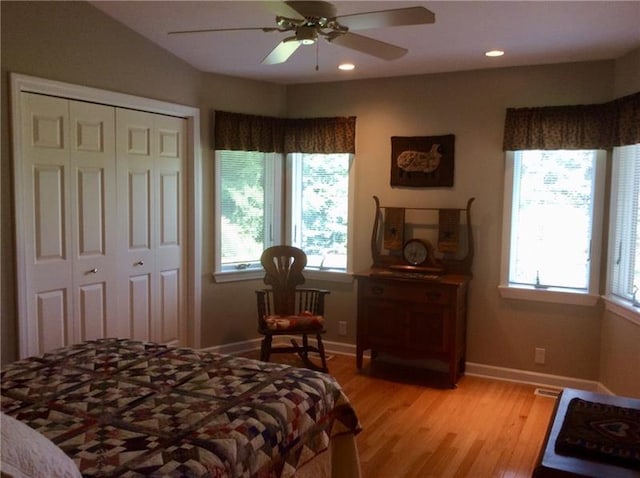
(547, 392)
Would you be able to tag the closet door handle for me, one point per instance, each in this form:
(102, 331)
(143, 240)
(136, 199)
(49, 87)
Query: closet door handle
(139, 263)
(92, 271)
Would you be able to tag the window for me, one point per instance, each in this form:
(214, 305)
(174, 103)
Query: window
(624, 242)
(249, 210)
(552, 225)
(248, 191)
(319, 205)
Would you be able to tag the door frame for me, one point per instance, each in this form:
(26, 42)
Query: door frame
(29, 84)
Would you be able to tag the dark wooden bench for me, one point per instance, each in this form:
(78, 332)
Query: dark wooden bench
(551, 464)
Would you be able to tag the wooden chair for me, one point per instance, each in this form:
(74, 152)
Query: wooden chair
(286, 309)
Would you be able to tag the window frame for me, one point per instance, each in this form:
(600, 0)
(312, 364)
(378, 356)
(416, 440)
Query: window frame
(615, 303)
(283, 184)
(292, 188)
(510, 290)
(272, 220)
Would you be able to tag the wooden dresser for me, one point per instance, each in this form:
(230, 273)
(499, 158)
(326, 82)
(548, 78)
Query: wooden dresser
(412, 302)
(413, 316)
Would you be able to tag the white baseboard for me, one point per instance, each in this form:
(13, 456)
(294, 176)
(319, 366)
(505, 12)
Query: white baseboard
(235, 348)
(533, 378)
(472, 369)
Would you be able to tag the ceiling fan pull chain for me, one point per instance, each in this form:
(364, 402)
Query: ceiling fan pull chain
(317, 53)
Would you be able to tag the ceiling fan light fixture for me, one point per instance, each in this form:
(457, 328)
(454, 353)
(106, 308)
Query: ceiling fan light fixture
(307, 35)
(494, 53)
(346, 66)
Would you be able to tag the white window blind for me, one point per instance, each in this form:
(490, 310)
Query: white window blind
(552, 218)
(247, 190)
(320, 208)
(624, 254)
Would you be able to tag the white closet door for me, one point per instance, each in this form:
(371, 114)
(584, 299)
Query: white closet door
(46, 216)
(170, 134)
(93, 196)
(150, 156)
(69, 181)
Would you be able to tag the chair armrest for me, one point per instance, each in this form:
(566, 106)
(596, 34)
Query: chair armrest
(320, 291)
(307, 299)
(310, 299)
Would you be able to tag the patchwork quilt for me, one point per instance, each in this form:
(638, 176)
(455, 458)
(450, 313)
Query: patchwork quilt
(120, 407)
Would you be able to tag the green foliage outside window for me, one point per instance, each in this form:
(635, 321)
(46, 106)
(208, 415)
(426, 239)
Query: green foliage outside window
(242, 205)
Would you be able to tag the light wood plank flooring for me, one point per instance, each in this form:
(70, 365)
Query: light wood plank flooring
(415, 427)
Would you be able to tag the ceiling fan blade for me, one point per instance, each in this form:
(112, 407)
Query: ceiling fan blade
(387, 18)
(370, 46)
(282, 52)
(207, 30)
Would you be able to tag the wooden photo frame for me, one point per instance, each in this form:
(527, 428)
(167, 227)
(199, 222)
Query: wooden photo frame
(422, 161)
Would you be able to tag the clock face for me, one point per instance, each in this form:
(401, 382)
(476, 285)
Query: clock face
(415, 252)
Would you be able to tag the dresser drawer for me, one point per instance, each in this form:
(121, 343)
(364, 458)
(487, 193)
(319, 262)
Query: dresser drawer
(407, 292)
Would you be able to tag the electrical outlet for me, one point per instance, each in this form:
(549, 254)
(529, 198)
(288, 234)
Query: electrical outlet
(342, 327)
(540, 356)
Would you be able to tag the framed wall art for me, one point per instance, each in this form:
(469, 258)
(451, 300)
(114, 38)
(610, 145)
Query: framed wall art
(422, 161)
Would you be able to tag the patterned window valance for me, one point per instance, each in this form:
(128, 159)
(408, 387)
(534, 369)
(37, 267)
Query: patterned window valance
(599, 126)
(240, 132)
(320, 135)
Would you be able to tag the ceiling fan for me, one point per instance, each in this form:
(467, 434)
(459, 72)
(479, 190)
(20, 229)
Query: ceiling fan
(310, 20)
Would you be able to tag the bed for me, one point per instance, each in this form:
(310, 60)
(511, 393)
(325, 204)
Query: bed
(119, 407)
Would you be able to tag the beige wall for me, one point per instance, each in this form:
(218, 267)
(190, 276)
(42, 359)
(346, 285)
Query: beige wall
(620, 358)
(76, 43)
(627, 74)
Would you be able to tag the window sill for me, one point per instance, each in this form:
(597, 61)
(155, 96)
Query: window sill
(622, 308)
(329, 276)
(310, 274)
(551, 295)
(236, 276)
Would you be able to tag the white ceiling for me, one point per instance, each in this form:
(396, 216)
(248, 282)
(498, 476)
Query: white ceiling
(530, 32)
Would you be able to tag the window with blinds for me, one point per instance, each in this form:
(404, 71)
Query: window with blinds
(624, 243)
(552, 219)
(248, 196)
(319, 203)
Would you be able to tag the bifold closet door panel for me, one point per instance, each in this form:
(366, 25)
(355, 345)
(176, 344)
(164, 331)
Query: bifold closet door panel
(46, 216)
(68, 185)
(150, 156)
(170, 134)
(137, 237)
(93, 199)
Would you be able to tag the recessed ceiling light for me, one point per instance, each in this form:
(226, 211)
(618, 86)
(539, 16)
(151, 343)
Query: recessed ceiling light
(346, 66)
(494, 53)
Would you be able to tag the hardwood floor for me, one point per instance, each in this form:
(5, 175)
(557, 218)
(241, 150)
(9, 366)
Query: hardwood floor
(417, 428)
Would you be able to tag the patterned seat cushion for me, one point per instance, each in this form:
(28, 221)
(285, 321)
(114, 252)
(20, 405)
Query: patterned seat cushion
(305, 321)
